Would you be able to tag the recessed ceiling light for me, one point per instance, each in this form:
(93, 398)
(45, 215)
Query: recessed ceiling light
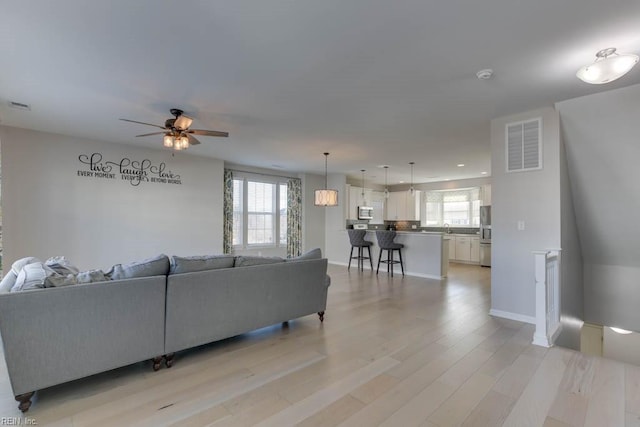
(447, 179)
(483, 173)
(460, 165)
(401, 182)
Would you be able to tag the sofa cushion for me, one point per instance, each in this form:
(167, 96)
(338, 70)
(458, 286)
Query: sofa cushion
(91, 276)
(200, 263)
(246, 261)
(311, 254)
(156, 266)
(38, 275)
(61, 265)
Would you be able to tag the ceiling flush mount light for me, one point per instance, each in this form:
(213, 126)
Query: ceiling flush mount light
(411, 189)
(325, 196)
(386, 188)
(485, 74)
(608, 66)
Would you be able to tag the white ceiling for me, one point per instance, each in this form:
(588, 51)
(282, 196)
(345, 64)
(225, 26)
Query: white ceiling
(373, 82)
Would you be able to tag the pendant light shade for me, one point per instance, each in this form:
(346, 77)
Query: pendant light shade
(326, 196)
(608, 66)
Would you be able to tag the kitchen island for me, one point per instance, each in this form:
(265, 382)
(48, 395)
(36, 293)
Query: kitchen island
(425, 254)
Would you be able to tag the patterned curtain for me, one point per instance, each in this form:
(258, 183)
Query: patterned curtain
(294, 217)
(227, 207)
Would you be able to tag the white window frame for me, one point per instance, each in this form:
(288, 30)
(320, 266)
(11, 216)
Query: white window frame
(245, 177)
(441, 208)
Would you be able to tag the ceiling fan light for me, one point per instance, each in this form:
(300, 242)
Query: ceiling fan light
(168, 141)
(182, 122)
(184, 142)
(608, 66)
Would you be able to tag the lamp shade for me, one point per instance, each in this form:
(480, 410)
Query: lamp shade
(609, 66)
(326, 197)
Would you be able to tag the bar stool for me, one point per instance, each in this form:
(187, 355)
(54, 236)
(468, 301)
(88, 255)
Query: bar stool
(356, 237)
(386, 243)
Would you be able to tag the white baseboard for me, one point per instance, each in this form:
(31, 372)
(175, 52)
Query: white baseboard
(407, 273)
(512, 316)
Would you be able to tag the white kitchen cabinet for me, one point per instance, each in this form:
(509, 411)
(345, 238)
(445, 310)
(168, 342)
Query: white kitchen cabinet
(486, 195)
(475, 249)
(452, 248)
(463, 248)
(402, 205)
(355, 200)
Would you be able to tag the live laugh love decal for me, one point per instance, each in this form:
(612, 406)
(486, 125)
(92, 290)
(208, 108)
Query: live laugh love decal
(133, 171)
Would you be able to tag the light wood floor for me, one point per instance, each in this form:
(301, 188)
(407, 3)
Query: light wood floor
(393, 352)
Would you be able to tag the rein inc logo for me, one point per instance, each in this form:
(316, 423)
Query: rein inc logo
(18, 421)
(133, 171)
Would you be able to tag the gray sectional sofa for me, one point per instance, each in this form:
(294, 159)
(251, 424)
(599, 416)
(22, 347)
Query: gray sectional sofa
(56, 335)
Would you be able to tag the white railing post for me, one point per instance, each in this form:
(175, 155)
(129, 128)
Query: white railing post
(547, 286)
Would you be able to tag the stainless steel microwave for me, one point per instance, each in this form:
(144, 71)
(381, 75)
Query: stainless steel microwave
(365, 212)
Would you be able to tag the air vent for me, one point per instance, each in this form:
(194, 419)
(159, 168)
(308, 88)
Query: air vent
(524, 148)
(19, 106)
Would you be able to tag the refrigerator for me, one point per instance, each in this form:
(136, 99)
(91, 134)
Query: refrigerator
(485, 236)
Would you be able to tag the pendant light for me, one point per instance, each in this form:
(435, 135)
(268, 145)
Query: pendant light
(325, 196)
(607, 67)
(386, 188)
(364, 201)
(411, 189)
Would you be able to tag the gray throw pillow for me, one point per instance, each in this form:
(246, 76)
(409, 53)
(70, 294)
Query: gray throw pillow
(61, 265)
(246, 261)
(38, 275)
(157, 266)
(200, 263)
(311, 254)
(19, 264)
(91, 276)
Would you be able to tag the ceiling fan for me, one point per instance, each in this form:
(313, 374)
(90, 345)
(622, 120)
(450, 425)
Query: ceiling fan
(177, 134)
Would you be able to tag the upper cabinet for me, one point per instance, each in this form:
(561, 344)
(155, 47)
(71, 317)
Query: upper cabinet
(486, 195)
(372, 198)
(402, 205)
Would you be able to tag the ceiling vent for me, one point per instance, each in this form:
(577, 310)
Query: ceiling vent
(19, 106)
(523, 145)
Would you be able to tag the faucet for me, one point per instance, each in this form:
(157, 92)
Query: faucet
(446, 228)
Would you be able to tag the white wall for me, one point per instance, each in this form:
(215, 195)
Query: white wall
(313, 216)
(601, 135)
(532, 197)
(335, 222)
(571, 278)
(49, 210)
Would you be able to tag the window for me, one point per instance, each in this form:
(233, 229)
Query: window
(259, 211)
(458, 208)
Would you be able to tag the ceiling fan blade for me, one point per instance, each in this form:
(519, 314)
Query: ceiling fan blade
(143, 123)
(208, 132)
(152, 133)
(193, 140)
